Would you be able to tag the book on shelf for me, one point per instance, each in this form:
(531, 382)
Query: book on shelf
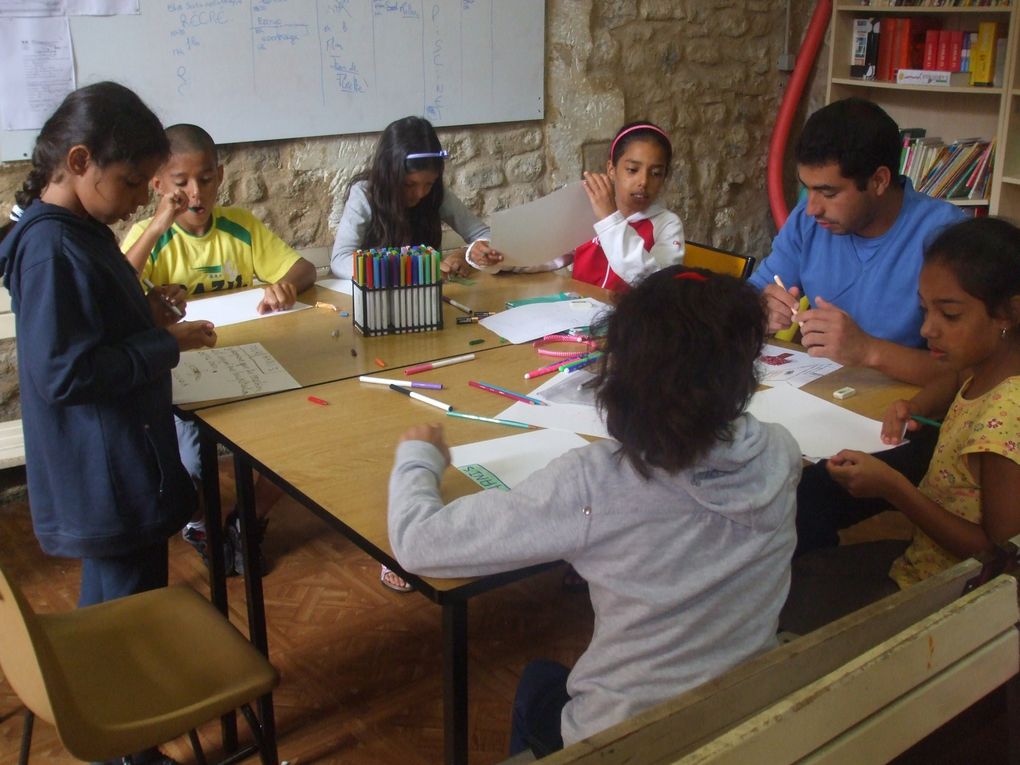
(959, 170)
(884, 67)
(864, 53)
(982, 54)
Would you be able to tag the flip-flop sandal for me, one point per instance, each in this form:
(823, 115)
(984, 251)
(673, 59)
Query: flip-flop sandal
(392, 580)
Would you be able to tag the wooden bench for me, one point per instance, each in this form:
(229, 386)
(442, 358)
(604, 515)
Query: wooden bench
(860, 690)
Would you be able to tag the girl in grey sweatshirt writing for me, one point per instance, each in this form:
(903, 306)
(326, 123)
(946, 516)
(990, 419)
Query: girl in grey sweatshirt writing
(682, 525)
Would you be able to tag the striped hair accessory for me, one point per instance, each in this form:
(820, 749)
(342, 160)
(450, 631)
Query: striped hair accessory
(631, 129)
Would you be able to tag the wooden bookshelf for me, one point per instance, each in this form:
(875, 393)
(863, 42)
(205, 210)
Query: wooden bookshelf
(951, 113)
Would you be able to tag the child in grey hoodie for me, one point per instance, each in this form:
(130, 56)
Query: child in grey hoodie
(683, 526)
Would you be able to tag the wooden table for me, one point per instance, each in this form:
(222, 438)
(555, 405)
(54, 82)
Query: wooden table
(304, 343)
(336, 460)
(338, 466)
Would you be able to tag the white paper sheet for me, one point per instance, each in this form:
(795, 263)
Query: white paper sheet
(233, 307)
(573, 418)
(237, 370)
(540, 231)
(528, 322)
(10, 8)
(502, 463)
(36, 70)
(782, 366)
(820, 427)
(337, 285)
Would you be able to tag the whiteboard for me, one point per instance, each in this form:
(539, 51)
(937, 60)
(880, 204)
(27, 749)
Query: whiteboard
(251, 70)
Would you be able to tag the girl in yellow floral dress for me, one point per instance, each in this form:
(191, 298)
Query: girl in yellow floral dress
(970, 294)
(969, 290)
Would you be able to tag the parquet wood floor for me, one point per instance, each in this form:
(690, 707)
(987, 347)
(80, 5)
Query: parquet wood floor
(360, 665)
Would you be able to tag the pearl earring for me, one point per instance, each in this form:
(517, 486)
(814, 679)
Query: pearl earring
(1002, 335)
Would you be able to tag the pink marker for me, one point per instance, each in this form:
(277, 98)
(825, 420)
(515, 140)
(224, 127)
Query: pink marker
(436, 364)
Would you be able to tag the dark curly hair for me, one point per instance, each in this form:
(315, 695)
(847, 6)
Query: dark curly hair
(678, 365)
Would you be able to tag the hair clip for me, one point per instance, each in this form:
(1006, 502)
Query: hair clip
(587, 342)
(691, 275)
(441, 154)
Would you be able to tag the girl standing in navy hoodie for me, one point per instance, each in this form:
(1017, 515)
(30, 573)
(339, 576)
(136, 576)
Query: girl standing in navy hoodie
(94, 353)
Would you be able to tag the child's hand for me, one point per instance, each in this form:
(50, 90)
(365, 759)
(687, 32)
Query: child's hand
(600, 193)
(170, 205)
(193, 334)
(861, 474)
(432, 434)
(481, 255)
(897, 422)
(278, 297)
(781, 306)
(160, 301)
(454, 264)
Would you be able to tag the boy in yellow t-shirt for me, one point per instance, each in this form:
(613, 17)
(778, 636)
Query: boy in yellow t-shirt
(192, 242)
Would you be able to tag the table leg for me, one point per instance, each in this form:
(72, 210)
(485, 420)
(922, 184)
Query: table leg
(214, 551)
(253, 590)
(455, 684)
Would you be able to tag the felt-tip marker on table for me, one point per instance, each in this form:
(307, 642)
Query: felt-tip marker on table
(457, 305)
(424, 399)
(319, 401)
(436, 364)
(401, 383)
(473, 319)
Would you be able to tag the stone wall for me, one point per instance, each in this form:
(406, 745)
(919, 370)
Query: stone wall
(705, 70)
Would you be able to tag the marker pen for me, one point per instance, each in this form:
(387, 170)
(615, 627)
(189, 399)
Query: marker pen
(424, 399)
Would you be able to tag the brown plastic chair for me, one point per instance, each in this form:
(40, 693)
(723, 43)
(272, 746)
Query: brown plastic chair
(717, 261)
(129, 674)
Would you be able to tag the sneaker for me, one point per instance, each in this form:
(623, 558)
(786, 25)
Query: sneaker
(197, 539)
(232, 537)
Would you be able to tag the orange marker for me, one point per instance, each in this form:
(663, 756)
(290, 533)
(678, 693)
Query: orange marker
(380, 363)
(319, 401)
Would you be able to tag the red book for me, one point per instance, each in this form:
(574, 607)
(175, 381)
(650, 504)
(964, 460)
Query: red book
(955, 50)
(901, 46)
(942, 55)
(931, 48)
(885, 49)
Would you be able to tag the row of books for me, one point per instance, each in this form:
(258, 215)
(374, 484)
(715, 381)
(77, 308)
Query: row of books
(882, 47)
(958, 170)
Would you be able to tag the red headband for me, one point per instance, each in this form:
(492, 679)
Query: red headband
(693, 275)
(631, 129)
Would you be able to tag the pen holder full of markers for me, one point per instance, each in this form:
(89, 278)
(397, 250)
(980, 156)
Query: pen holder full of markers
(397, 291)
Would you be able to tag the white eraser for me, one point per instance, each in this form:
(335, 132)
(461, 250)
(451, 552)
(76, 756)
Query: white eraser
(843, 393)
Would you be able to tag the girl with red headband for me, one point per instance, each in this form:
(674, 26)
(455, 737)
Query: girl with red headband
(634, 236)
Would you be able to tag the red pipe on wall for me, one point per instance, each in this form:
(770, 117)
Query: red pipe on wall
(791, 99)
